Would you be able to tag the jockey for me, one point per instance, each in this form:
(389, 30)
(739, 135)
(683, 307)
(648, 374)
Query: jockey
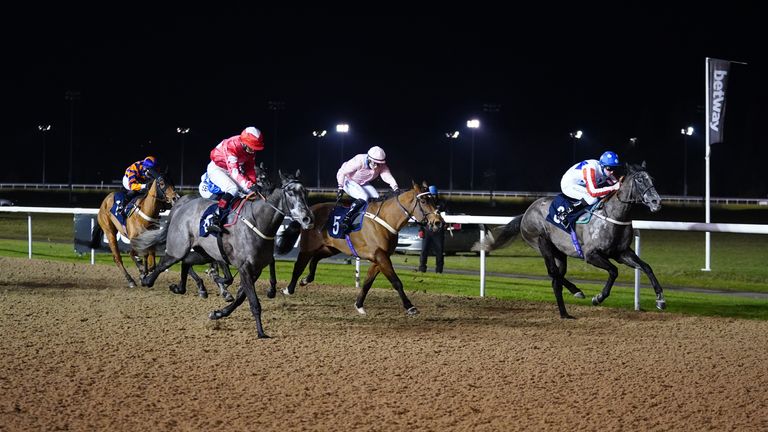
(354, 177)
(233, 169)
(590, 180)
(136, 181)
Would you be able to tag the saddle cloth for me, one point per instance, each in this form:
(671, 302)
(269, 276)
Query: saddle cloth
(337, 215)
(205, 219)
(561, 213)
(129, 207)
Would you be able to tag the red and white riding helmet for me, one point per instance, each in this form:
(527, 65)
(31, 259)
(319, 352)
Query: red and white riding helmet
(253, 138)
(376, 154)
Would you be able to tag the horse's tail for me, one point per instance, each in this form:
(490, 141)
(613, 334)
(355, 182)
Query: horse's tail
(286, 239)
(96, 236)
(147, 240)
(500, 236)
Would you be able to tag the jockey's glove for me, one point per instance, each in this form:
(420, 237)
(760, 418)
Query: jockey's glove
(255, 189)
(339, 194)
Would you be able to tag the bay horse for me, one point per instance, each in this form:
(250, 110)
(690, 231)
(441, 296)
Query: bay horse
(608, 235)
(249, 244)
(375, 242)
(161, 195)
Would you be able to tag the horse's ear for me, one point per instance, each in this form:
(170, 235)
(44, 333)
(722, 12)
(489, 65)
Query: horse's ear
(280, 172)
(424, 185)
(415, 186)
(298, 173)
(642, 165)
(261, 165)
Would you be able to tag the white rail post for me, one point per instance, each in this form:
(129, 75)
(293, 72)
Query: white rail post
(482, 262)
(29, 233)
(93, 251)
(637, 271)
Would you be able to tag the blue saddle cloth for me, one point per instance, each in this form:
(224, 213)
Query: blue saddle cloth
(333, 225)
(561, 213)
(205, 219)
(118, 198)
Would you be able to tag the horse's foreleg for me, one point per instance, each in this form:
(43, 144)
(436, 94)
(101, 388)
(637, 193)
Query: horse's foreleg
(298, 269)
(373, 271)
(549, 252)
(228, 309)
(224, 282)
(385, 266)
(247, 282)
(181, 288)
(600, 261)
(630, 258)
(272, 290)
(201, 291)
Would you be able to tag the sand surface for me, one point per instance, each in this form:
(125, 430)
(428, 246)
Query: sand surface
(81, 352)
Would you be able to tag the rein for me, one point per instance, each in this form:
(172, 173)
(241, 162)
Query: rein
(631, 201)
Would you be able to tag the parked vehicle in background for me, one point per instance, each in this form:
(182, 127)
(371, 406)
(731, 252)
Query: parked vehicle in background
(5, 202)
(459, 238)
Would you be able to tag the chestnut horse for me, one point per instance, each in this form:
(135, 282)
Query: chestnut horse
(375, 242)
(160, 196)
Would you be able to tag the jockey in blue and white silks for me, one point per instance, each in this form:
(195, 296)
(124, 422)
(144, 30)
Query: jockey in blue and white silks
(591, 179)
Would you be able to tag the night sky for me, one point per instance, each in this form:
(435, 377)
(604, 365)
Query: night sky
(400, 78)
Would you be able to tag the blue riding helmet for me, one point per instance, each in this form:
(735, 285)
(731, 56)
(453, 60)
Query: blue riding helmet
(610, 159)
(433, 190)
(149, 162)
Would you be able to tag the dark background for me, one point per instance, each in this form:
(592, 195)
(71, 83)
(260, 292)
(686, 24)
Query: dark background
(401, 79)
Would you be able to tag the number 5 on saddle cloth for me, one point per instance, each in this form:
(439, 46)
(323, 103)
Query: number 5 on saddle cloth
(337, 215)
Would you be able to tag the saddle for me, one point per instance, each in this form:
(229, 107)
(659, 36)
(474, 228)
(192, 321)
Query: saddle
(129, 207)
(231, 219)
(562, 215)
(333, 225)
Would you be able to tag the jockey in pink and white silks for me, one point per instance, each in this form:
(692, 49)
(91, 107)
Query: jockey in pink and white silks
(590, 180)
(354, 177)
(233, 169)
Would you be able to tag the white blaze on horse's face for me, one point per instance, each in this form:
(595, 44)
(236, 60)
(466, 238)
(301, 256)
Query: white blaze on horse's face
(296, 198)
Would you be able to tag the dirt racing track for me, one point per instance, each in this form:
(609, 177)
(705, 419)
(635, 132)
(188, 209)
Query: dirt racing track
(82, 352)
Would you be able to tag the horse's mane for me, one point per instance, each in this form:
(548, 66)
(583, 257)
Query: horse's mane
(388, 195)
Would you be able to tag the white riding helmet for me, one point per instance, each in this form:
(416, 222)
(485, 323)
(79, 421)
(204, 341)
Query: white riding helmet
(376, 154)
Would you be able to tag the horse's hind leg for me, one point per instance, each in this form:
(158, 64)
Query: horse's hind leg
(246, 290)
(549, 252)
(562, 264)
(600, 261)
(201, 290)
(165, 263)
(630, 258)
(181, 288)
(223, 282)
(112, 240)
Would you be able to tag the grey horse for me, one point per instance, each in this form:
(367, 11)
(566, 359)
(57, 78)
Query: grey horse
(198, 256)
(248, 245)
(608, 235)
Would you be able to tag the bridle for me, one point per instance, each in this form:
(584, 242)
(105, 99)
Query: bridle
(416, 203)
(633, 197)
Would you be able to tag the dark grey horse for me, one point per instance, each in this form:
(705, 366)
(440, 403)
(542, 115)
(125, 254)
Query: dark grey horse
(198, 256)
(608, 235)
(249, 244)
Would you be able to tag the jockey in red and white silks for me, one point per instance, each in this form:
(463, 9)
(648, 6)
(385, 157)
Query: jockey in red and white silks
(233, 164)
(591, 179)
(355, 175)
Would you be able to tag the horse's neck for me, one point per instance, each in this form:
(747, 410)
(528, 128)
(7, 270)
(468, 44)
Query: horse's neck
(617, 207)
(393, 213)
(150, 206)
(273, 217)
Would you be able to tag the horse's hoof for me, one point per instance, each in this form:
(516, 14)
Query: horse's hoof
(215, 315)
(303, 282)
(286, 291)
(579, 295)
(596, 300)
(145, 283)
(567, 316)
(202, 294)
(227, 297)
(361, 310)
(412, 311)
(271, 293)
(177, 289)
(264, 336)
(661, 304)
(132, 284)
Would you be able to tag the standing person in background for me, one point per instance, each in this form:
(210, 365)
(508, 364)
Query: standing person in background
(434, 241)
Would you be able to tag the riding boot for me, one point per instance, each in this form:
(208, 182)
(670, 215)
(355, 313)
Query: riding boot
(219, 217)
(124, 205)
(349, 218)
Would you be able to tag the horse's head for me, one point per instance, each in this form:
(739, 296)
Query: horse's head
(296, 199)
(263, 181)
(162, 190)
(638, 187)
(424, 206)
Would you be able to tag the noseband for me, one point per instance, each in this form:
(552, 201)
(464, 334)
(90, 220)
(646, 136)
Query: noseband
(634, 197)
(417, 203)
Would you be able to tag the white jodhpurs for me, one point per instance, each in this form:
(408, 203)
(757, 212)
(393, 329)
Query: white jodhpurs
(360, 192)
(577, 192)
(220, 178)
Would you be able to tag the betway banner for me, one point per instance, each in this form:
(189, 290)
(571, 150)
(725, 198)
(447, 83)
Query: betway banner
(717, 81)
